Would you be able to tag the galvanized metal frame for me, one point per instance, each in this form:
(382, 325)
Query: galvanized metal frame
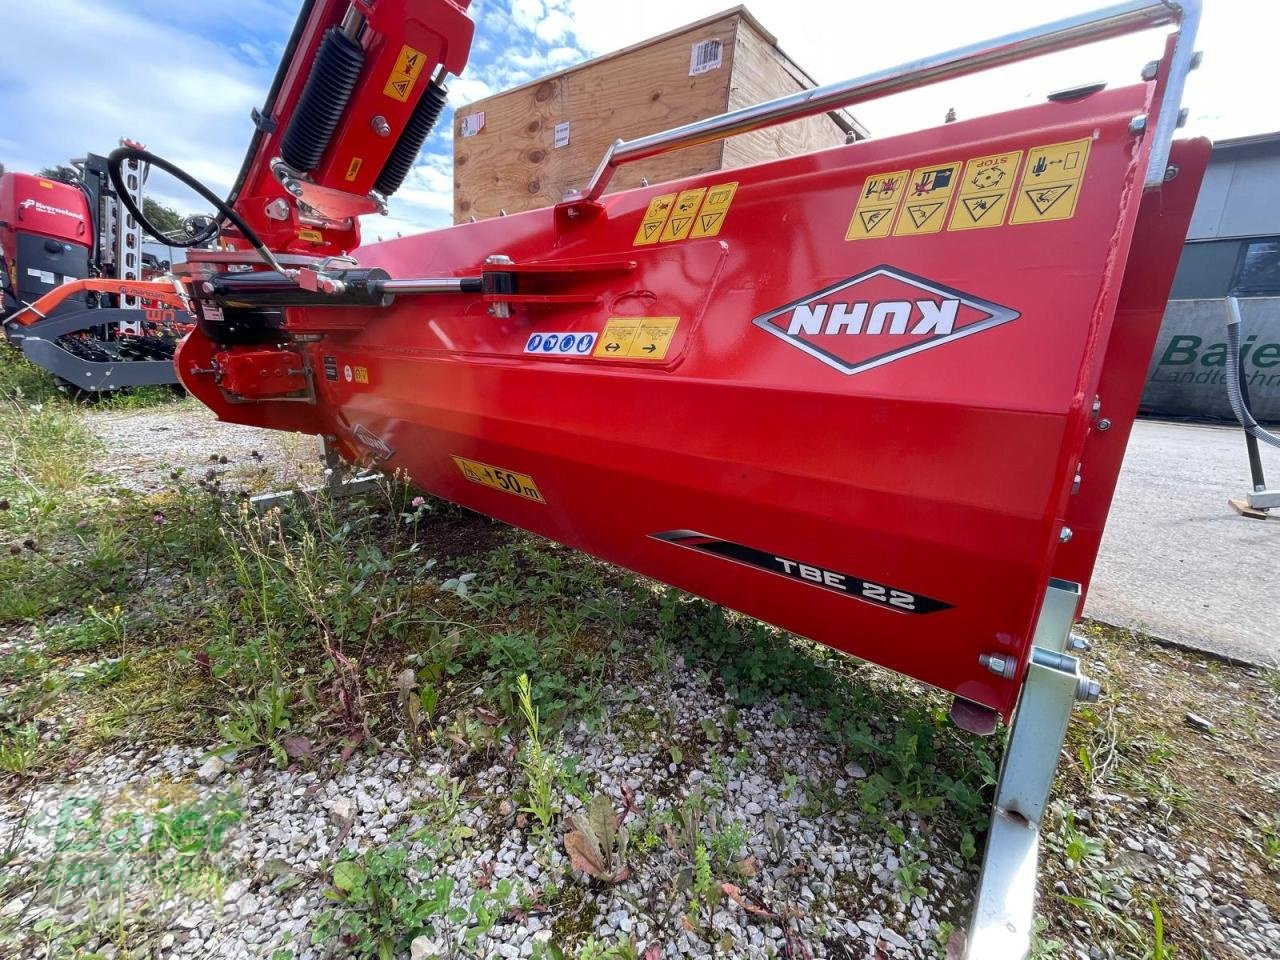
(1085, 28)
(1004, 909)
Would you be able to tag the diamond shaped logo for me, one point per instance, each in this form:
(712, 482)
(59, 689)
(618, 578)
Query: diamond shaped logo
(880, 315)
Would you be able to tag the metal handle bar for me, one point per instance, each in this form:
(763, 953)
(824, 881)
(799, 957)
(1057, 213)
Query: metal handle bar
(1085, 28)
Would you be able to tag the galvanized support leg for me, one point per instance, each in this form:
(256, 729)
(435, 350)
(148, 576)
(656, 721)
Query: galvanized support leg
(1004, 910)
(337, 483)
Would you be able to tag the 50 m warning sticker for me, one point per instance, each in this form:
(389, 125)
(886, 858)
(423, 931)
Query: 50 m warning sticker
(404, 75)
(878, 202)
(1050, 184)
(508, 481)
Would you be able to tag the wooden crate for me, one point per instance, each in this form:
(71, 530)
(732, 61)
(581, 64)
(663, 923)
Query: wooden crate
(527, 147)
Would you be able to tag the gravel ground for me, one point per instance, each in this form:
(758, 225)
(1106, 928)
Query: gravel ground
(818, 878)
(211, 855)
(142, 447)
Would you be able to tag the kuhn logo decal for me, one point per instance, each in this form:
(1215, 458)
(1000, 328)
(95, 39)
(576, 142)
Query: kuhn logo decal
(879, 316)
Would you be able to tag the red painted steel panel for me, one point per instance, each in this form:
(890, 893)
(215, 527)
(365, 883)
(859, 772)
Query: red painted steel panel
(925, 461)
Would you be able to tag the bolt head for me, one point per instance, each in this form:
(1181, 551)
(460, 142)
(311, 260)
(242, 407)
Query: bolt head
(1065, 535)
(1104, 424)
(1088, 690)
(1138, 125)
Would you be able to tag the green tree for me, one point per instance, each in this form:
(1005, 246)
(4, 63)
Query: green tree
(60, 172)
(163, 218)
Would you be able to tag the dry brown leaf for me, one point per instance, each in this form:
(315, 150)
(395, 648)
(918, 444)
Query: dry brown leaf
(582, 855)
(738, 897)
(748, 867)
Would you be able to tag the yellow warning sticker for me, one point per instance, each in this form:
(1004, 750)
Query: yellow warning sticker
(508, 481)
(636, 338)
(360, 374)
(682, 214)
(714, 209)
(354, 167)
(873, 216)
(654, 217)
(315, 236)
(1050, 184)
(404, 75)
(928, 192)
(984, 191)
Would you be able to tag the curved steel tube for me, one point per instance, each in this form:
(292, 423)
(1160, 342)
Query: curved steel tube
(1113, 21)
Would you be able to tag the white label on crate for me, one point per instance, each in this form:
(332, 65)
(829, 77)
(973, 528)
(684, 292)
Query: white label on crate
(561, 344)
(562, 134)
(706, 55)
(472, 124)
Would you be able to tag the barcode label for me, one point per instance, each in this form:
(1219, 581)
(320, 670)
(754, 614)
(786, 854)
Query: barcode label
(472, 124)
(562, 134)
(706, 55)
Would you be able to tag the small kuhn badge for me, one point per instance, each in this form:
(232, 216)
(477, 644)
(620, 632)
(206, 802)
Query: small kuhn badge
(879, 316)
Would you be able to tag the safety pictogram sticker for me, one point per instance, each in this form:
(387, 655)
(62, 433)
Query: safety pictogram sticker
(695, 213)
(985, 188)
(1050, 184)
(654, 218)
(928, 192)
(682, 214)
(404, 75)
(877, 203)
(636, 338)
(714, 209)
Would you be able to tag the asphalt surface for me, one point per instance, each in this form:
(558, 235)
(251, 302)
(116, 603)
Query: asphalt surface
(1176, 561)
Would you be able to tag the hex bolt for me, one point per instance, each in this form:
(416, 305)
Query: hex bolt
(380, 126)
(1182, 117)
(1138, 125)
(1065, 535)
(1088, 690)
(293, 186)
(1104, 424)
(1001, 664)
(1196, 59)
(1079, 644)
(1150, 71)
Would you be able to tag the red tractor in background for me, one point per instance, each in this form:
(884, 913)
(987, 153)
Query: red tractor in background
(54, 233)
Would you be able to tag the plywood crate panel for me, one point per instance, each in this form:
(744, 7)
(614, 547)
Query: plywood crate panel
(509, 154)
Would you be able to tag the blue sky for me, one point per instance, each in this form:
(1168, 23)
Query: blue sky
(182, 77)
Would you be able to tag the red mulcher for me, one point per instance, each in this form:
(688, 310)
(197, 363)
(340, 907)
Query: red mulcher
(878, 395)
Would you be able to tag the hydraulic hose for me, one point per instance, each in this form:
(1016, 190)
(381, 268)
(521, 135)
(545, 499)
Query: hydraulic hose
(1242, 412)
(115, 163)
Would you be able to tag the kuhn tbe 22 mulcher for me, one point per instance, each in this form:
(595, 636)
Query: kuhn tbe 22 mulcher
(877, 395)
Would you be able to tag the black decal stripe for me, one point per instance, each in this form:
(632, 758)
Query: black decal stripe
(859, 588)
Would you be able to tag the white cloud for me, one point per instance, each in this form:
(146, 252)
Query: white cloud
(553, 27)
(836, 39)
(90, 71)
